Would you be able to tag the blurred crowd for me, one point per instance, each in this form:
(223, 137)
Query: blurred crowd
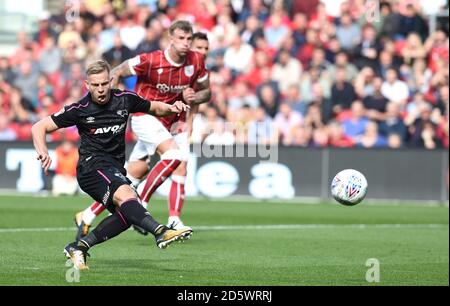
(299, 73)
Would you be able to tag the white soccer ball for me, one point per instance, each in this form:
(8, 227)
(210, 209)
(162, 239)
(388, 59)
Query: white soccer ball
(349, 187)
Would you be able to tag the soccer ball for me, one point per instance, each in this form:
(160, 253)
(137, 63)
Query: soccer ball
(349, 187)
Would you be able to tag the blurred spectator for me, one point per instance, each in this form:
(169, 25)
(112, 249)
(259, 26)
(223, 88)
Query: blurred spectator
(342, 92)
(423, 130)
(325, 105)
(341, 62)
(268, 100)
(319, 60)
(371, 137)
(437, 46)
(252, 31)
(275, 31)
(320, 137)
(337, 137)
(254, 7)
(242, 96)
(391, 19)
(313, 118)
(262, 130)
(366, 52)
(294, 99)
(93, 52)
(149, 43)
(26, 81)
(413, 49)
(238, 56)
(287, 121)
(312, 78)
(44, 29)
(110, 30)
(6, 132)
(385, 63)
(418, 77)
(348, 33)
(411, 21)
(50, 59)
(286, 71)
(117, 54)
(394, 89)
(65, 181)
(375, 103)
(392, 122)
(131, 34)
(6, 72)
(356, 125)
(27, 50)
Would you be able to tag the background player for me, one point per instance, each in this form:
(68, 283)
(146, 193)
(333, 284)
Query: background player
(152, 135)
(101, 118)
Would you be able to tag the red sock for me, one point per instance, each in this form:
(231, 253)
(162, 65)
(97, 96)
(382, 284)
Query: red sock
(176, 198)
(157, 176)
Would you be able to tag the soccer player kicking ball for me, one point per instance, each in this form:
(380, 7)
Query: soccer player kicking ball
(101, 118)
(165, 76)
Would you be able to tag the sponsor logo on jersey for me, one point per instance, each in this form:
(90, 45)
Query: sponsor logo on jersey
(122, 112)
(160, 70)
(164, 88)
(114, 129)
(189, 70)
(90, 119)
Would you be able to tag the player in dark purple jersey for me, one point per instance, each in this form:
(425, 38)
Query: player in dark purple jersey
(101, 118)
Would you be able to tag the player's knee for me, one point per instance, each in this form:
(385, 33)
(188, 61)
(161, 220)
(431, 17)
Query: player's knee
(137, 169)
(181, 170)
(123, 193)
(172, 154)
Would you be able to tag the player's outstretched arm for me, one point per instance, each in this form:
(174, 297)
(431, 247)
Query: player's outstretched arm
(38, 131)
(123, 70)
(160, 109)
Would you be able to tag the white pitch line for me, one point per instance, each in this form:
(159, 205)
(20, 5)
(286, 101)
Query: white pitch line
(253, 227)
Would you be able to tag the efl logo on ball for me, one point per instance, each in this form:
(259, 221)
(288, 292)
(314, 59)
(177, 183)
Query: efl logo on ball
(349, 187)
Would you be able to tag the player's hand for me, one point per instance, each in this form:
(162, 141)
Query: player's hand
(189, 95)
(46, 161)
(179, 107)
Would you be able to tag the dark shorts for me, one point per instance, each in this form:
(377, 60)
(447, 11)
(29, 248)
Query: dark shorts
(100, 180)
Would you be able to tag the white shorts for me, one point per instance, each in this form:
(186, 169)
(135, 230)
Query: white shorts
(150, 133)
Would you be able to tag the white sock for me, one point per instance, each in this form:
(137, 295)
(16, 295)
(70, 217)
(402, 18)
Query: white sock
(134, 180)
(88, 216)
(173, 219)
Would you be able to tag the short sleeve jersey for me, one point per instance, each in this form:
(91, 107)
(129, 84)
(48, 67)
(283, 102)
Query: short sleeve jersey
(163, 80)
(102, 127)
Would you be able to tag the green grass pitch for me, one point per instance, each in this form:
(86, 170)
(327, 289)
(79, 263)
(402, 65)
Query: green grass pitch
(235, 243)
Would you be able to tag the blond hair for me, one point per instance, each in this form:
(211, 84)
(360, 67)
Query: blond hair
(183, 25)
(97, 67)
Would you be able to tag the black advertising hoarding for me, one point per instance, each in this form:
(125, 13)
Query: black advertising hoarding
(295, 172)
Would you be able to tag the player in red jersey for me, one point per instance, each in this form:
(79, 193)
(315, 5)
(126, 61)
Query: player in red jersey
(163, 76)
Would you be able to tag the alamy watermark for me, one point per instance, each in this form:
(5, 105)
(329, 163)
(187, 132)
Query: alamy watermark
(373, 273)
(234, 140)
(72, 10)
(72, 274)
(372, 10)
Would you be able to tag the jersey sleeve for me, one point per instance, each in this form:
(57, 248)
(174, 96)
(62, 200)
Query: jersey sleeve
(202, 74)
(137, 104)
(66, 117)
(140, 64)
